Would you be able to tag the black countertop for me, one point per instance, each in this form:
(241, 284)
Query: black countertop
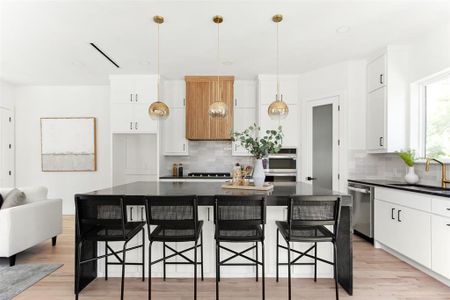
(399, 185)
(196, 177)
(207, 190)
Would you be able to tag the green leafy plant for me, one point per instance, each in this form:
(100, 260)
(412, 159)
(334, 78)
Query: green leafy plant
(259, 146)
(408, 156)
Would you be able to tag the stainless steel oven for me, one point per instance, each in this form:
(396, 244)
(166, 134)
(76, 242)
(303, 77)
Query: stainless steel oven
(363, 209)
(281, 167)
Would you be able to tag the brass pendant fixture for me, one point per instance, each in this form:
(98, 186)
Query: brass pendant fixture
(278, 109)
(218, 109)
(158, 110)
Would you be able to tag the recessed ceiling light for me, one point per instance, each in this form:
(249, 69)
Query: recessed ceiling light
(227, 63)
(342, 29)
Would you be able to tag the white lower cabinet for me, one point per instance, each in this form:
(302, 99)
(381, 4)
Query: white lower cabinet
(440, 237)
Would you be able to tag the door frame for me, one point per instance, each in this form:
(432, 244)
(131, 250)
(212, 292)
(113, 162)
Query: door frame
(334, 100)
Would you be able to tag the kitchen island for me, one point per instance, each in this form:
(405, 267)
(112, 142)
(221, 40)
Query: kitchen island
(276, 200)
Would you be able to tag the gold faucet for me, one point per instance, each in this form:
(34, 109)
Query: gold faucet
(444, 179)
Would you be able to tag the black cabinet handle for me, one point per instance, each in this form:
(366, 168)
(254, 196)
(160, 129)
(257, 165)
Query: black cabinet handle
(136, 98)
(448, 224)
(310, 178)
(398, 215)
(381, 78)
(131, 125)
(448, 208)
(392, 214)
(131, 97)
(131, 213)
(142, 213)
(381, 141)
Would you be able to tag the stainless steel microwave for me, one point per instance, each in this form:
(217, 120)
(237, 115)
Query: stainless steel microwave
(281, 166)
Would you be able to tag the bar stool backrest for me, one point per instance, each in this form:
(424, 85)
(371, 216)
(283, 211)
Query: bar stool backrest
(237, 212)
(173, 212)
(313, 210)
(106, 212)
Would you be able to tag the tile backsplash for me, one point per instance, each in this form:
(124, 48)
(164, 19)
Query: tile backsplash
(205, 156)
(388, 166)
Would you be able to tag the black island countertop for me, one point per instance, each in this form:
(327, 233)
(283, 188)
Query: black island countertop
(401, 185)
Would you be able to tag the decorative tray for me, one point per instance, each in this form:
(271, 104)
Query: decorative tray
(250, 186)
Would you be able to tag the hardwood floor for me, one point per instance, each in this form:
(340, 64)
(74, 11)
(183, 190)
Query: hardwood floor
(377, 275)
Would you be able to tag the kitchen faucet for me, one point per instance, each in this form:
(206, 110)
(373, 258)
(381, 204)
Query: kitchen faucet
(444, 179)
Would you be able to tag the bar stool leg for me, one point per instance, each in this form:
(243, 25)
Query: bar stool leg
(195, 271)
(289, 270)
(201, 252)
(123, 271)
(278, 254)
(336, 271)
(263, 272)
(217, 270)
(143, 254)
(150, 270)
(218, 259)
(164, 261)
(256, 258)
(315, 261)
(106, 261)
(77, 280)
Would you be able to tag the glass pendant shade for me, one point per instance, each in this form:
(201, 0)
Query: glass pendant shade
(158, 111)
(278, 110)
(218, 109)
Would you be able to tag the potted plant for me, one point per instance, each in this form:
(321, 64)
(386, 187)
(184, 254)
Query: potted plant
(260, 146)
(408, 156)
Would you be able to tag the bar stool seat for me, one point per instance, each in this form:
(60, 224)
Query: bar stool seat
(314, 234)
(113, 233)
(164, 234)
(246, 234)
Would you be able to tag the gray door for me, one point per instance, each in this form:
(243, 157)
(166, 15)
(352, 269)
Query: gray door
(322, 154)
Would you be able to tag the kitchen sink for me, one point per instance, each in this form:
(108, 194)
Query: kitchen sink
(428, 188)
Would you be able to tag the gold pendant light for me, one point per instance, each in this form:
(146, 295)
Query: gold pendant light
(218, 109)
(278, 109)
(158, 110)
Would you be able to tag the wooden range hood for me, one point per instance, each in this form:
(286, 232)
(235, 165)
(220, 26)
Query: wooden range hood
(200, 93)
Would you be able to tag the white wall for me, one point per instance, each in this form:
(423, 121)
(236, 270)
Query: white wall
(6, 95)
(35, 102)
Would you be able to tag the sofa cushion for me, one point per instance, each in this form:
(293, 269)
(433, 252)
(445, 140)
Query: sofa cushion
(14, 198)
(35, 193)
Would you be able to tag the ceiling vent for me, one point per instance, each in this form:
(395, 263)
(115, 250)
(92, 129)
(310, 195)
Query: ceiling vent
(104, 54)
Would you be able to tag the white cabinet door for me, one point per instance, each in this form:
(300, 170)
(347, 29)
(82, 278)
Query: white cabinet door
(244, 93)
(376, 73)
(414, 234)
(290, 125)
(386, 229)
(174, 129)
(243, 118)
(123, 89)
(145, 88)
(174, 93)
(142, 121)
(288, 90)
(440, 231)
(376, 124)
(122, 119)
(6, 148)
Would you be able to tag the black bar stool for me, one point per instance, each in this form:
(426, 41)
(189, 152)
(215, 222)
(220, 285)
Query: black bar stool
(306, 221)
(104, 219)
(240, 219)
(176, 220)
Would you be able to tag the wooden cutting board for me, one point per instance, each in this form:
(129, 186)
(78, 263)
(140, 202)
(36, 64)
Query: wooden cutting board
(265, 187)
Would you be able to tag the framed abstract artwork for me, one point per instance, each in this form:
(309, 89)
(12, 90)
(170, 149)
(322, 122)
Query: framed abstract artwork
(68, 144)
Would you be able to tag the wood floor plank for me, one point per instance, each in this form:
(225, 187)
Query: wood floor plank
(377, 275)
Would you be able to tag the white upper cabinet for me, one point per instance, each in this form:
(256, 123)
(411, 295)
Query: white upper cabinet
(130, 97)
(386, 109)
(376, 73)
(243, 118)
(266, 95)
(174, 127)
(244, 94)
(174, 93)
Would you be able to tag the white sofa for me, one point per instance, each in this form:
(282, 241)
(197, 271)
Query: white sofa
(27, 225)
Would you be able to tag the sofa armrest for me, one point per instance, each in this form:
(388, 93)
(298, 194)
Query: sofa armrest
(24, 226)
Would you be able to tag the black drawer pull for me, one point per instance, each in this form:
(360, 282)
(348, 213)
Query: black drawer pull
(392, 214)
(398, 215)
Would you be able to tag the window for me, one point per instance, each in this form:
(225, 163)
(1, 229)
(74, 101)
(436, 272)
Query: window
(436, 117)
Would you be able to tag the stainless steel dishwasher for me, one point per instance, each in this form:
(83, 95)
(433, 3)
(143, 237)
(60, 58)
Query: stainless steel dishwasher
(363, 207)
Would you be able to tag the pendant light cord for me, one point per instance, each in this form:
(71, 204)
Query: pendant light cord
(157, 53)
(278, 65)
(218, 62)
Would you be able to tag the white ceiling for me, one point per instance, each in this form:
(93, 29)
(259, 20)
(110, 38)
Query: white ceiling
(47, 42)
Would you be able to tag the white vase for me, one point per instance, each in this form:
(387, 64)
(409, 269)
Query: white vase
(411, 177)
(258, 173)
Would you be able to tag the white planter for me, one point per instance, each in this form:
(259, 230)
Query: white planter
(411, 177)
(258, 173)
